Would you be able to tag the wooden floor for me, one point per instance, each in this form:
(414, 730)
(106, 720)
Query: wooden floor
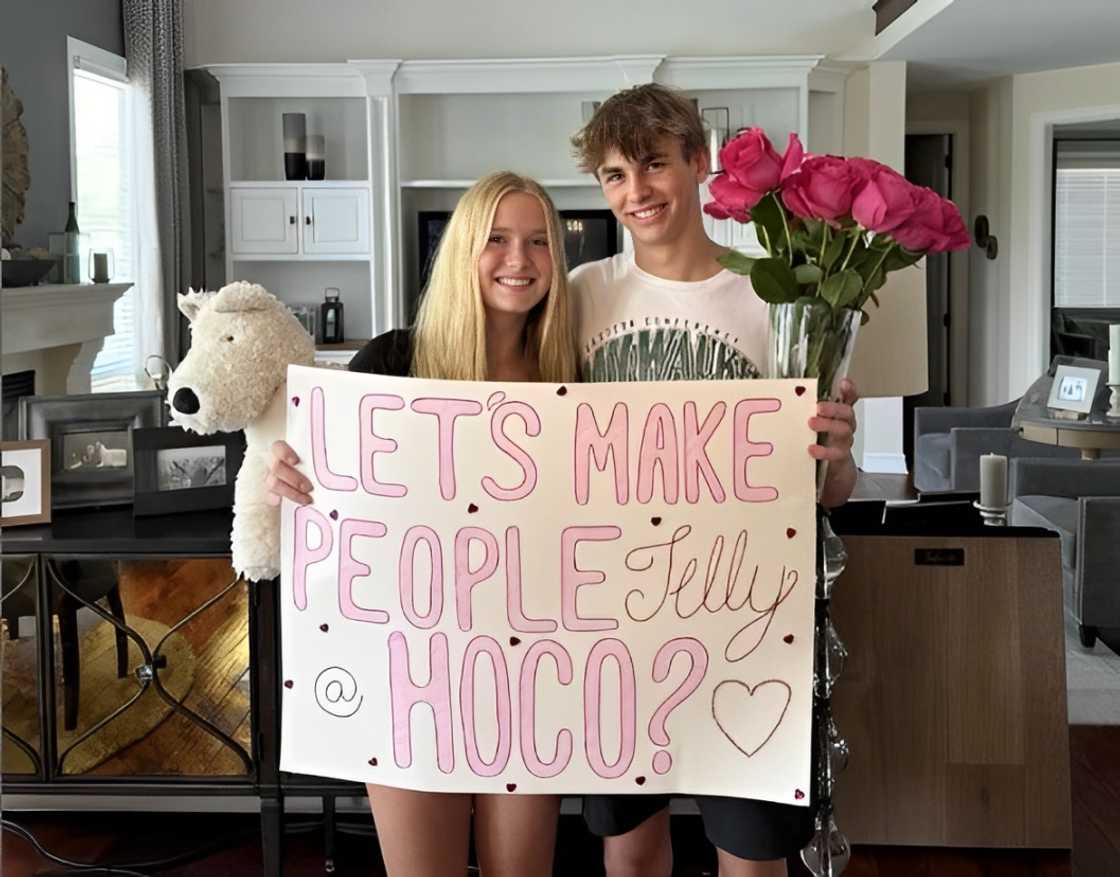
(166, 592)
(115, 838)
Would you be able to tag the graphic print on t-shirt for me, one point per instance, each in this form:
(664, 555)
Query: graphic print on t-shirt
(660, 349)
(634, 326)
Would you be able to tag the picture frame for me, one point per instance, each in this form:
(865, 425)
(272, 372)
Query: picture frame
(25, 483)
(91, 444)
(179, 471)
(1073, 389)
(717, 122)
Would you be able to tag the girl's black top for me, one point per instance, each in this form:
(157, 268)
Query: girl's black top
(388, 354)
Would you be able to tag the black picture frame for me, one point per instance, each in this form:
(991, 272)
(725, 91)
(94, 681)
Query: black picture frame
(100, 477)
(154, 493)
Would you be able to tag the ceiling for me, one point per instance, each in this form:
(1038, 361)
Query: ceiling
(219, 31)
(969, 41)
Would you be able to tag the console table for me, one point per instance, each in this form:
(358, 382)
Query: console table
(953, 700)
(1091, 435)
(97, 536)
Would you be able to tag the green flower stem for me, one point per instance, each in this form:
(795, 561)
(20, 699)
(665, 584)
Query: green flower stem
(865, 292)
(765, 238)
(785, 225)
(824, 246)
(851, 250)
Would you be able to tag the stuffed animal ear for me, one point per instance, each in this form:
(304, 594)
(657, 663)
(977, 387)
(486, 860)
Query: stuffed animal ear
(191, 303)
(242, 296)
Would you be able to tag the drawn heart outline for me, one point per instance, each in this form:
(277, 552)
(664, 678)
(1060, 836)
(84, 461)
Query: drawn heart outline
(751, 691)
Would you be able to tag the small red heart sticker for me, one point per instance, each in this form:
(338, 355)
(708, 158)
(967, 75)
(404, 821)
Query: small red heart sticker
(641, 781)
(790, 532)
(799, 390)
(788, 638)
(472, 508)
(288, 683)
(372, 762)
(798, 794)
(295, 401)
(511, 786)
(514, 641)
(324, 627)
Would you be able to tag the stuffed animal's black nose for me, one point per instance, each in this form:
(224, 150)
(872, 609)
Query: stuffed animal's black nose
(185, 401)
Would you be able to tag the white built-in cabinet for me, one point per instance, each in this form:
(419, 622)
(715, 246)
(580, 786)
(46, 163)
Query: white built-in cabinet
(299, 221)
(264, 222)
(404, 137)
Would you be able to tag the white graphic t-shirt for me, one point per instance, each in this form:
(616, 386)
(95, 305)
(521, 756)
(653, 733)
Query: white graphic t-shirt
(633, 326)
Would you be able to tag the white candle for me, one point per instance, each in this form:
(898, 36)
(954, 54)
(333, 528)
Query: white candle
(1114, 354)
(993, 481)
(100, 267)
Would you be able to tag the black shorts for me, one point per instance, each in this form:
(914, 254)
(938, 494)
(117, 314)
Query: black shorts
(749, 829)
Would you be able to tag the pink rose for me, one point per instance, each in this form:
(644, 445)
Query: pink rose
(821, 189)
(795, 154)
(885, 199)
(922, 232)
(751, 161)
(935, 226)
(956, 233)
(732, 201)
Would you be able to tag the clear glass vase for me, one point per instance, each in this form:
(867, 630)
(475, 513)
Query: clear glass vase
(809, 340)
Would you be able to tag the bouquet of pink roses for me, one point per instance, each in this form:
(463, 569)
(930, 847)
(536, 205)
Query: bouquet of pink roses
(833, 227)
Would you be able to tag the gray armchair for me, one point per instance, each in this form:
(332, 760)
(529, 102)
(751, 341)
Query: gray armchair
(1081, 502)
(948, 443)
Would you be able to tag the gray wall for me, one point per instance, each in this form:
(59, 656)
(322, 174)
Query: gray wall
(33, 48)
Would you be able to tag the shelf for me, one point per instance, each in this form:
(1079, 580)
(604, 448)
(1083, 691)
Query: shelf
(296, 257)
(305, 184)
(351, 345)
(584, 183)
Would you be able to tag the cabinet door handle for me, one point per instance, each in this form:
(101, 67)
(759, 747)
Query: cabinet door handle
(291, 220)
(307, 219)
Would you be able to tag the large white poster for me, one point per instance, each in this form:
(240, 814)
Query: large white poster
(542, 588)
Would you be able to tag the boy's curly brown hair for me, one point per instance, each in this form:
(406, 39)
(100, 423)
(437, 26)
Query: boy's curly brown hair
(632, 121)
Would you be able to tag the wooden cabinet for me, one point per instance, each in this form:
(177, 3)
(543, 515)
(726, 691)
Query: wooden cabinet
(953, 699)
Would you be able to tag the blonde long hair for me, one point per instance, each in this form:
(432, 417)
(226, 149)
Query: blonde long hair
(450, 333)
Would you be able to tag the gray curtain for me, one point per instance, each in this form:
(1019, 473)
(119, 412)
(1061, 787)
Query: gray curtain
(153, 42)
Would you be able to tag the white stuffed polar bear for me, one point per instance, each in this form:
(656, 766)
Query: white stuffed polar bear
(235, 377)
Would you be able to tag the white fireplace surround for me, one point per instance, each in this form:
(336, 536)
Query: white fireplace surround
(76, 317)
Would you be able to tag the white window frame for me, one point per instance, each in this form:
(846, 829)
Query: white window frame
(85, 57)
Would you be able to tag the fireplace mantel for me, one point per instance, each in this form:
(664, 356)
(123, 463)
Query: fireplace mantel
(74, 317)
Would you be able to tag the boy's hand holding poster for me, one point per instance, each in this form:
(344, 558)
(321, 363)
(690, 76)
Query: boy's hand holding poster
(543, 589)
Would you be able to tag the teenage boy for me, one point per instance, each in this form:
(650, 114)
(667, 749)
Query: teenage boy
(669, 311)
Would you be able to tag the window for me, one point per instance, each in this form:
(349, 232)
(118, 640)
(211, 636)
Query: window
(1086, 282)
(1087, 224)
(103, 185)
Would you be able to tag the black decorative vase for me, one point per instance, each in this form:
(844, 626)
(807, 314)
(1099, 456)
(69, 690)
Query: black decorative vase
(295, 146)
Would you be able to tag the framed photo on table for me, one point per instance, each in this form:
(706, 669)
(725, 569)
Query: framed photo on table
(91, 445)
(180, 471)
(1073, 389)
(25, 483)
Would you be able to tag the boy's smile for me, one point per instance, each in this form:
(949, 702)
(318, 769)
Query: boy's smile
(656, 197)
